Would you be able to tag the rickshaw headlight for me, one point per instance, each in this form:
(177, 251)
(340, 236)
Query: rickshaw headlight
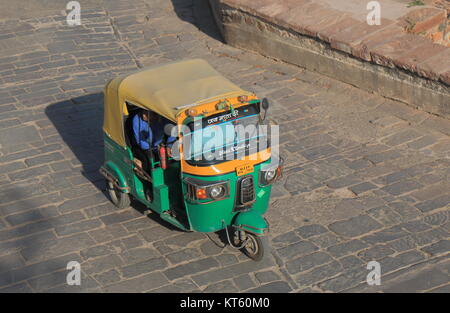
(217, 192)
(202, 190)
(270, 175)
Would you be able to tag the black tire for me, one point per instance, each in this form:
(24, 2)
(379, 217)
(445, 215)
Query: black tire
(118, 198)
(257, 247)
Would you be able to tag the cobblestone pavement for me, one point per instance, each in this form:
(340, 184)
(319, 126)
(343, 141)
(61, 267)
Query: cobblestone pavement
(366, 178)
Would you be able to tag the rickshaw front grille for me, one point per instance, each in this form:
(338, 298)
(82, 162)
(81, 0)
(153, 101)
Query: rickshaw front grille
(246, 190)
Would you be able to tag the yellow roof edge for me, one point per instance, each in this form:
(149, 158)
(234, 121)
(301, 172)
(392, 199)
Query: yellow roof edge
(213, 99)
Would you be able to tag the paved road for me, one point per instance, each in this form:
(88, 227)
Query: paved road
(366, 178)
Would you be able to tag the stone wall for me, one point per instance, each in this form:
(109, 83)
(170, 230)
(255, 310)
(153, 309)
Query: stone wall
(251, 32)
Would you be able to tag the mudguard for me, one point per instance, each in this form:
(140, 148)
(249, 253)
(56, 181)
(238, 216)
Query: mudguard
(252, 222)
(112, 173)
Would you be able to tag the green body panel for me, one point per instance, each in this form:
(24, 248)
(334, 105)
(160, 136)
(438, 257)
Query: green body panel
(214, 216)
(119, 163)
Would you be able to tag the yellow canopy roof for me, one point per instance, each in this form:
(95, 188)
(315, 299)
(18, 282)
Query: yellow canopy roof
(165, 89)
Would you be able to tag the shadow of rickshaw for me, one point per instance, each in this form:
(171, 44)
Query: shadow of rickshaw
(79, 122)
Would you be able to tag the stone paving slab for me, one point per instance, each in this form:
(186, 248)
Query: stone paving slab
(366, 178)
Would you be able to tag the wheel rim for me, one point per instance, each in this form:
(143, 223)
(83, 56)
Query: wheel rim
(252, 245)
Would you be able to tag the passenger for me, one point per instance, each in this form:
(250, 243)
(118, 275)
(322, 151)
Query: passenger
(148, 131)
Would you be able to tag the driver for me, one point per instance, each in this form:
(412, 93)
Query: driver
(148, 131)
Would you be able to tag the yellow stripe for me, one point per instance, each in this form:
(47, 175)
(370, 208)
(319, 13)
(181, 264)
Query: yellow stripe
(225, 167)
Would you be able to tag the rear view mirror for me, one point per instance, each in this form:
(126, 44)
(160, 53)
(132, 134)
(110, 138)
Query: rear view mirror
(265, 106)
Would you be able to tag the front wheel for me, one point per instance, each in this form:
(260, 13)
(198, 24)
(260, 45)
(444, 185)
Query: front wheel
(118, 198)
(256, 247)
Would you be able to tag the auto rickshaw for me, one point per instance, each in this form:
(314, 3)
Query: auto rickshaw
(191, 193)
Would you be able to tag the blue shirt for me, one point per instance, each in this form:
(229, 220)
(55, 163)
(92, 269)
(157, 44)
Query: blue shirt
(149, 135)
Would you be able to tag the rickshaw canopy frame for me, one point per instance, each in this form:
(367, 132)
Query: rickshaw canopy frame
(167, 90)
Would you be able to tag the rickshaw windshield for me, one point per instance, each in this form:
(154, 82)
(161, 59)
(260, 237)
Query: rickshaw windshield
(225, 136)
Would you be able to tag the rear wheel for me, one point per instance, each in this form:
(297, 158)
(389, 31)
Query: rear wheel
(118, 198)
(256, 247)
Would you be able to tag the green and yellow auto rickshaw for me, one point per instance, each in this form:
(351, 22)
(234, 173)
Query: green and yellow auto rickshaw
(229, 191)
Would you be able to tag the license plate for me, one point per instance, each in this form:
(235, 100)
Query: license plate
(244, 169)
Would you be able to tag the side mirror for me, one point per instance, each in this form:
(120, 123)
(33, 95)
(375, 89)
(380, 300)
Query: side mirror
(265, 106)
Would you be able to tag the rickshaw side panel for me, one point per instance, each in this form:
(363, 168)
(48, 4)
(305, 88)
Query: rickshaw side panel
(172, 178)
(119, 161)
